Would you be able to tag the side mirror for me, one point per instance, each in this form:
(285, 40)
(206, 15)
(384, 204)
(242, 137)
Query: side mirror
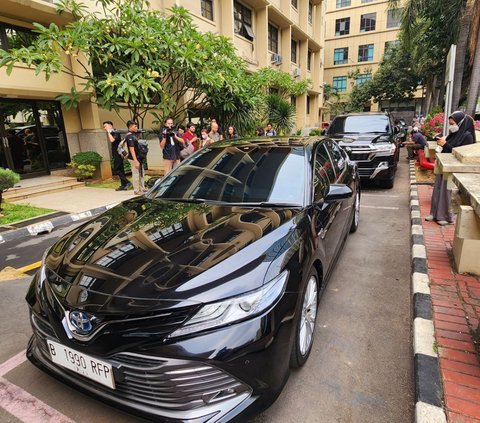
(338, 192)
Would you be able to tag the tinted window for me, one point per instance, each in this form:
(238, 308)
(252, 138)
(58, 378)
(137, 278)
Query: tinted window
(359, 124)
(241, 174)
(338, 157)
(324, 173)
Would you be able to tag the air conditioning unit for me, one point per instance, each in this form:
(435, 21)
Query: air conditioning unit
(296, 72)
(276, 59)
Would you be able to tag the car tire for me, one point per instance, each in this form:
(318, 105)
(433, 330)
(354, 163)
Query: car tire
(305, 323)
(356, 212)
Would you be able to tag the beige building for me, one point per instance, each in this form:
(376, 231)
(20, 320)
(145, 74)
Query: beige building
(357, 34)
(284, 34)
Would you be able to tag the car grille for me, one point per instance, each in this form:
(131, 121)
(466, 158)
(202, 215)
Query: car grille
(366, 172)
(172, 385)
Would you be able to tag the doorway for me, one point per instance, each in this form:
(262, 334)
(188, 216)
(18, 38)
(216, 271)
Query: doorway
(33, 137)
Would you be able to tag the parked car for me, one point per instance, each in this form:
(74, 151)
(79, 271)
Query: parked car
(193, 302)
(372, 141)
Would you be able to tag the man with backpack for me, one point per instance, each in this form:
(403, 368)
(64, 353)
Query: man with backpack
(117, 168)
(136, 157)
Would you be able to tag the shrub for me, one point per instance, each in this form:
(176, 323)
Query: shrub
(85, 164)
(315, 132)
(8, 179)
(87, 158)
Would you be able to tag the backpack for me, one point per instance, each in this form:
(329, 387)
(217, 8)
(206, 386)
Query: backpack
(122, 148)
(142, 148)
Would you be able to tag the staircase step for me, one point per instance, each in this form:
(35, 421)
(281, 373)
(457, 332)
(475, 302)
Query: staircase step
(25, 185)
(42, 190)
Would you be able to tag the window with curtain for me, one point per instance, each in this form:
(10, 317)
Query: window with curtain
(342, 26)
(242, 17)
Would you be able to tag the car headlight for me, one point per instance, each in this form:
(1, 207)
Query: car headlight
(389, 148)
(235, 309)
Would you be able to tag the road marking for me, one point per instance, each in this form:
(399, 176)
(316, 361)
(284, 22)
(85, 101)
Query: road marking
(379, 207)
(27, 408)
(13, 362)
(10, 273)
(30, 267)
(379, 195)
(20, 403)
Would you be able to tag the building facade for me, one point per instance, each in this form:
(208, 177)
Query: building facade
(284, 34)
(357, 35)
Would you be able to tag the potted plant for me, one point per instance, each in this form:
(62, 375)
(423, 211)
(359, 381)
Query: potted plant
(85, 164)
(8, 179)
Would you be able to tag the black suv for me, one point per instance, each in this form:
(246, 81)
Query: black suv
(372, 141)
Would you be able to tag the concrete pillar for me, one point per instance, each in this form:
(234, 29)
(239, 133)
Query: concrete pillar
(262, 54)
(226, 23)
(466, 242)
(286, 48)
(303, 57)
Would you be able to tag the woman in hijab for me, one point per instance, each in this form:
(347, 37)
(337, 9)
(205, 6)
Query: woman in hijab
(461, 132)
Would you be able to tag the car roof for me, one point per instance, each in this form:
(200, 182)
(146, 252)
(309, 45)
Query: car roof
(292, 141)
(364, 114)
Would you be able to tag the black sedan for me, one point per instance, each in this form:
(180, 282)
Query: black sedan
(193, 302)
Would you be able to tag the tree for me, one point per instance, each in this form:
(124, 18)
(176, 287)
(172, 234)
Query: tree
(395, 80)
(133, 55)
(8, 179)
(281, 113)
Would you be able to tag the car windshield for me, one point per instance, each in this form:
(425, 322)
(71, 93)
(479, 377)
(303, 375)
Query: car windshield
(360, 124)
(264, 174)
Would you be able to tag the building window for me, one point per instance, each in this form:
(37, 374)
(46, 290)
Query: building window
(308, 105)
(390, 45)
(394, 18)
(367, 22)
(243, 21)
(361, 78)
(310, 12)
(295, 4)
(365, 53)
(339, 83)
(272, 38)
(293, 50)
(340, 56)
(343, 3)
(309, 60)
(342, 26)
(15, 37)
(207, 9)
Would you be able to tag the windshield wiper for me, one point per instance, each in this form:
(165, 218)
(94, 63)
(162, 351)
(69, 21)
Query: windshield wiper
(192, 200)
(270, 204)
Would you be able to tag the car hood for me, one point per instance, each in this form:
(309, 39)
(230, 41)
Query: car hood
(365, 138)
(146, 252)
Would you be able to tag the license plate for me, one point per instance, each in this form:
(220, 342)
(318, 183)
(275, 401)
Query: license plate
(90, 367)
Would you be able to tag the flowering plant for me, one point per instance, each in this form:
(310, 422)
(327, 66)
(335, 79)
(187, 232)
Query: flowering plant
(433, 125)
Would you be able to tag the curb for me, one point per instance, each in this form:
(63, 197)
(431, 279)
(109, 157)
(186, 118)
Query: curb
(49, 224)
(428, 384)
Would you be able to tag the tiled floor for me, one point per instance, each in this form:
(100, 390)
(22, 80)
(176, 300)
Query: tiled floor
(456, 314)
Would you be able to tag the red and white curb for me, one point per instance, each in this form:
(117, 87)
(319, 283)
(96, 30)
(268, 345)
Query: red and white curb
(428, 385)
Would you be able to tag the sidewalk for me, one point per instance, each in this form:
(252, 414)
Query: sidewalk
(455, 302)
(79, 203)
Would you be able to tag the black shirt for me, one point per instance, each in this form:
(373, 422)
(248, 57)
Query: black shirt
(132, 141)
(116, 140)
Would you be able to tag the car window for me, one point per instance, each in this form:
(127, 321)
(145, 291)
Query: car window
(324, 173)
(239, 174)
(338, 157)
(359, 124)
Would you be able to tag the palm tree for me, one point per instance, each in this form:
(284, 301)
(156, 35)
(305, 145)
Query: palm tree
(430, 27)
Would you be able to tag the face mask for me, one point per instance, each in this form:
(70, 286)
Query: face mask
(453, 128)
(204, 136)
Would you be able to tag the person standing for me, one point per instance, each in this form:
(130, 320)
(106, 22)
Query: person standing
(270, 132)
(117, 168)
(231, 133)
(215, 133)
(461, 132)
(205, 140)
(171, 143)
(135, 158)
(190, 136)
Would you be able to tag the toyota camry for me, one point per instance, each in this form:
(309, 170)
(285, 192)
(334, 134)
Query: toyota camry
(193, 302)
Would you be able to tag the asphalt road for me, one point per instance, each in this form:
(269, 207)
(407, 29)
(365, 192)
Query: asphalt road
(360, 369)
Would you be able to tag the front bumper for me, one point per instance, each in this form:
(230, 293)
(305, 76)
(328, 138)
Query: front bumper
(216, 377)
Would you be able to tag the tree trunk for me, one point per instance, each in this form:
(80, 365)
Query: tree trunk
(462, 42)
(1, 192)
(474, 87)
